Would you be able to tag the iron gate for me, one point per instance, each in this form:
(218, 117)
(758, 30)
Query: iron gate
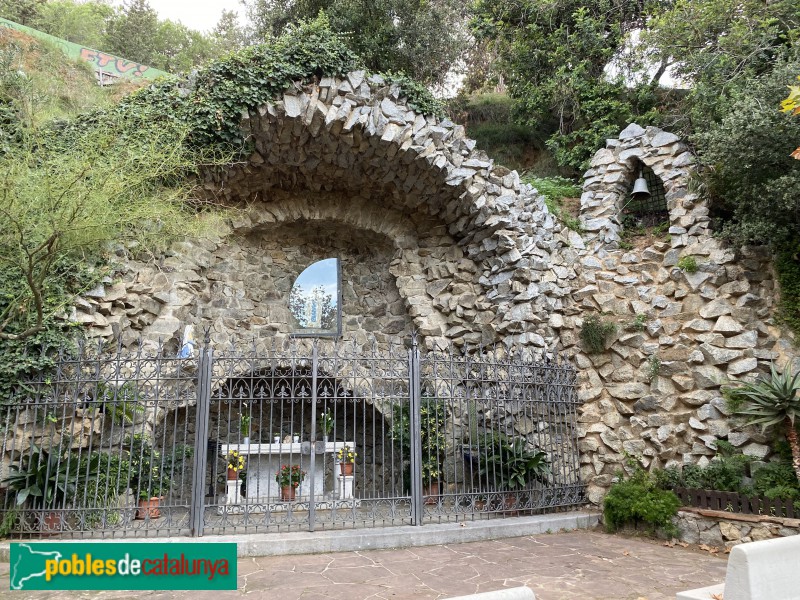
(432, 436)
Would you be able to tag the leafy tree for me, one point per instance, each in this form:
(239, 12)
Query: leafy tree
(423, 39)
(228, 34)
(554, 58)
(132, 32)
(24, 12)
(69, 198)
(81, 23)
(717, 47)
(752, 181)
(178, 49)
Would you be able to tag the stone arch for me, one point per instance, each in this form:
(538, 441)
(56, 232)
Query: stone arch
(613, 169)
(479, 259)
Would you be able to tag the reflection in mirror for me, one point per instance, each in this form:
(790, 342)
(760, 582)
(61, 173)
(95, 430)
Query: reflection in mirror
(314, 300)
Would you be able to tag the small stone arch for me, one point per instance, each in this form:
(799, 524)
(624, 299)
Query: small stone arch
(613, 170)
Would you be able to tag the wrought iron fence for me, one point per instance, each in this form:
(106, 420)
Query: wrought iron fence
(306, 435)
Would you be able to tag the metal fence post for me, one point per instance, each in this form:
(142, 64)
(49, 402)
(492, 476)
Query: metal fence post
(197, 506)
(312, 509)
(416, 436)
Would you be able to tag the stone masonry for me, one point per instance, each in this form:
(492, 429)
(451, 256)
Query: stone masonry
(434, 237)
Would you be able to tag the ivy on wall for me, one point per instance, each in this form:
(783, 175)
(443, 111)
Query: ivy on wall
(211, 102)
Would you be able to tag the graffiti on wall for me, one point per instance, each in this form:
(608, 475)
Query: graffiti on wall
(113, 65)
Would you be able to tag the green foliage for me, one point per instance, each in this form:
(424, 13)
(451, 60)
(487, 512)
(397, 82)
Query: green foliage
(688, 264)
(776, 480)
(151, 472)
(102, 478)
(121, 404)
(639, 323)
(719, 47)
(754, 180)
(595, 334)
(727, 472)
(653, 367)
(421, 39)
(32, 93)
(212, 109)
(22, 358)
(326, 423)
(48, 479)
(433, 414)
(639, 500)
(507, 463)
(787, 267)
(554, 57)
(772, 400)
(419, 97)
(82, 23)
(555, 189)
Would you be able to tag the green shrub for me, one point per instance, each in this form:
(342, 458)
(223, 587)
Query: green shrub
(724, 473)
(776, 480)
(688, 264)
(595, 334)
(639, 500)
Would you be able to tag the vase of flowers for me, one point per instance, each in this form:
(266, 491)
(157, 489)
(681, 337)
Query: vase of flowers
(289, 478)
(347, 457)
(244, 426)
(235, 464)
(326, 425)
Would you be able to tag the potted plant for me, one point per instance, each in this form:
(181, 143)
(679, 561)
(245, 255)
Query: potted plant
(148, 480)
(245, 420)
(44, 481)
(510, 465)
(289, 477)
(346, 456)
(433, 415)
(326, 425)
(235, 464)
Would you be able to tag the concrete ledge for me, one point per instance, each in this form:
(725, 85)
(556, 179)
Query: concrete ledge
(765, 570)
(517, 593)
(348, 540)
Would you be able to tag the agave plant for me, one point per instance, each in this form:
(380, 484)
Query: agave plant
(773, 399)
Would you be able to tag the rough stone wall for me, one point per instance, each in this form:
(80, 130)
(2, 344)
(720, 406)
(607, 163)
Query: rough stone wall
(701, 330)
(726, 530)
(434, 237)
(475, 258)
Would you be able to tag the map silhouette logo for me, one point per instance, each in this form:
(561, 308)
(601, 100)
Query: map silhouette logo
(28, 564)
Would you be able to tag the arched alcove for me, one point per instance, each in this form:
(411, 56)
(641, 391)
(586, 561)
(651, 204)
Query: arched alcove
(645, 212)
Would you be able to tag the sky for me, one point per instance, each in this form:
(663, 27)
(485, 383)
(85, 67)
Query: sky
(201, 15)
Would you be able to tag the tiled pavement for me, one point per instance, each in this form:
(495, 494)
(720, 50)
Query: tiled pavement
(564, 566)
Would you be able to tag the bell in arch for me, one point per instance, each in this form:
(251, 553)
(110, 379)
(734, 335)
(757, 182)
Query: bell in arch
(640, 191)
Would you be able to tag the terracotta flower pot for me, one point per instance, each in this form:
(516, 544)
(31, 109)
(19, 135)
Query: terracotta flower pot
(347, 468)
(232, 474)
(148, 509)
(288, 493)
(431, 492)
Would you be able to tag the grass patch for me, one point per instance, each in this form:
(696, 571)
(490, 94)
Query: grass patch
(554, 190)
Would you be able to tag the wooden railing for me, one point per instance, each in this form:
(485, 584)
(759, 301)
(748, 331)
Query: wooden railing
(737, 503)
